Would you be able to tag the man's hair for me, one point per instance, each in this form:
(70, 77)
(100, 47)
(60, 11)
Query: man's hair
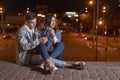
(48, 19)
(30, 16)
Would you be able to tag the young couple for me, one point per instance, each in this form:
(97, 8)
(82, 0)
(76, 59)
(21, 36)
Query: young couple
(41, 45)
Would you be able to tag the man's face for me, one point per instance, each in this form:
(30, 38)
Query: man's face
(32, 23)
(53, 22)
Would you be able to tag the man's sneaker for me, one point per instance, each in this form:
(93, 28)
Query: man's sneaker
(78, 65)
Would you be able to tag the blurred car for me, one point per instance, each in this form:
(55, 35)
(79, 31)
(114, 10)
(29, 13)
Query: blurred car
(90, 38)
(63, 30)
(6, 36)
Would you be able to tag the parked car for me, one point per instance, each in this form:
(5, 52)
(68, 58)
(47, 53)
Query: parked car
(63, 30)
(6, 36)
(90, 38)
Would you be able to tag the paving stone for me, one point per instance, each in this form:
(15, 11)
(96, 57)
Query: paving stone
(105, 71)
(57, 78)
(38, 76)
(67, 74)
(13, 74)
(76, 75)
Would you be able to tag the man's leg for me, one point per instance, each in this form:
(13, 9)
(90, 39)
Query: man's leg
(58, 50)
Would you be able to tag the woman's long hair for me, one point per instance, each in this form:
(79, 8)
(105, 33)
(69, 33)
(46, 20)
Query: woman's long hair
(48, 19)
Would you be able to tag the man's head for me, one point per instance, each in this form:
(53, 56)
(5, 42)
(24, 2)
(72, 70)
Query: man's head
(31, 19)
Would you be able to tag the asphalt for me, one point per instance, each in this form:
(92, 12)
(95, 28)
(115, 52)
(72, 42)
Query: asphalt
(92, 71)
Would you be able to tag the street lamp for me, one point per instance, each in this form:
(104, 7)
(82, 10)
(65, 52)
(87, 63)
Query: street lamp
(97, 20)
(104, 11)
(91, 2)
(105, 32)
(1, 12)
(27, 10)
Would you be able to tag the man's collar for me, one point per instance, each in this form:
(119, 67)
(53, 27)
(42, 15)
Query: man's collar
(28, 29)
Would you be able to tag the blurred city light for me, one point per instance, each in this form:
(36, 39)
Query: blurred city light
(28, 10)
(86, 10)
(104, 9)
(70, 13)
(1, 10)
(100, 22)
(55, 15)
(76, 20)
(91, 2)
(76, 15)
(39, 15)
(69, 16)
(43, 16)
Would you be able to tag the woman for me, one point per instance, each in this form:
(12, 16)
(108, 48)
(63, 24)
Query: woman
(54, 46)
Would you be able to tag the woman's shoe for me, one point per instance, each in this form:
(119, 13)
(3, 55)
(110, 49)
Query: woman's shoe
(51, 66)
(78, 65)
(42, 66)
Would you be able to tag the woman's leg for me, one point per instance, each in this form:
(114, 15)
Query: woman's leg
(42, 50)
(75, 65)
(58, 50)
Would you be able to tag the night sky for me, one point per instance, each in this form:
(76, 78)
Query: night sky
(53, 5)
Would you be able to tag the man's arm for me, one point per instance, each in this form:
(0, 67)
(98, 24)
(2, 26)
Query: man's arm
(25, 43)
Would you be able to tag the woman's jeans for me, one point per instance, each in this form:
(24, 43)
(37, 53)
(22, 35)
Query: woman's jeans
(38, 60)
(56, 54)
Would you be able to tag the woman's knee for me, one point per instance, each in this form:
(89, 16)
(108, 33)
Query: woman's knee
(61, 44)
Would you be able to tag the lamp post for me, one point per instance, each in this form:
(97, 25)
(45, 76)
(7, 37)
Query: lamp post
(119, 36)
(91, 2)
(105, 32)
(97, 21)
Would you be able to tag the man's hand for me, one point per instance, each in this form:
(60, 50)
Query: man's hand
(36, 34)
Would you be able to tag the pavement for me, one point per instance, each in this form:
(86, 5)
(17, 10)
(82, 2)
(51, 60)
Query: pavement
(92, 71)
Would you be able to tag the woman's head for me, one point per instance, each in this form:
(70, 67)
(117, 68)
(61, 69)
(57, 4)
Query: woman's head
(50, 20)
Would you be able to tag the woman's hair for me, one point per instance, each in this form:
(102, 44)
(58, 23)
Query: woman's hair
(30, 16)
(48, 19)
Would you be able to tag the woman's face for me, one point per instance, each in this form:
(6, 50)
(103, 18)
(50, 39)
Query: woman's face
(53, 22)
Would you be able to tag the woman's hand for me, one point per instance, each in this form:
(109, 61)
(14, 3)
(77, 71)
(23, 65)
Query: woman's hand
(52, 32)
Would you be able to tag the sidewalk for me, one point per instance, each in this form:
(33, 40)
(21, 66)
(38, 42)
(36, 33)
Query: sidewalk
(92, 71)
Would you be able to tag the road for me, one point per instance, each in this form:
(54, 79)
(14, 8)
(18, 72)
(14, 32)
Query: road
(76, 48)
